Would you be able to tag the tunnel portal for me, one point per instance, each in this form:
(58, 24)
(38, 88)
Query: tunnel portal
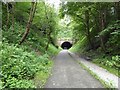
(66, 45)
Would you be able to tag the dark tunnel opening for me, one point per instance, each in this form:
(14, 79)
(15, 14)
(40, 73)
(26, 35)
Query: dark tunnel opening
(66, 45)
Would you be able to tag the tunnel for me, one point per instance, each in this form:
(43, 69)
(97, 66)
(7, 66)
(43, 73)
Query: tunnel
(66, 45)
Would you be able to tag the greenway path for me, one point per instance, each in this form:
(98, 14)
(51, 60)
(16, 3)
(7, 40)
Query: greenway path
(67, 73)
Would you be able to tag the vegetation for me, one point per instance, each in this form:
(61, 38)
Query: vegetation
(19, 67)
(112, 65)
(30, 31)
(96, 31)
(104, 83)
(27, 44)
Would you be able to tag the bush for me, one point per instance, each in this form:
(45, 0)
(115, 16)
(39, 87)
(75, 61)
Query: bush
(19, 67)
(116, 60)
(113, 42)
(13, 36)
(113, 62)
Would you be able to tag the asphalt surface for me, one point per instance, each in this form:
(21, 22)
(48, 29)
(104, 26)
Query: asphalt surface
(67, 73)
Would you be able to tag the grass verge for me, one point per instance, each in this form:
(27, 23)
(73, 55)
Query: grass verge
(105, 84)
(41, 77)
(110, 69)
(110, 63)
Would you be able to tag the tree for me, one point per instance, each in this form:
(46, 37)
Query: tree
(87, 20)
(90, 20)
(32, 12)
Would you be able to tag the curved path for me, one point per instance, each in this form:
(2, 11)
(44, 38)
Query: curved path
(67, 73)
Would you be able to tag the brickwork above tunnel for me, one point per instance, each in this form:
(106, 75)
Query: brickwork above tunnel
(60, 41)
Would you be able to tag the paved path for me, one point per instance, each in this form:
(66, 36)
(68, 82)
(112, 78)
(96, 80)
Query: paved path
(67, 73)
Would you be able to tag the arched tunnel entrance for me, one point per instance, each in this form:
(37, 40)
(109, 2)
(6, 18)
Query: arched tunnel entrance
(66, 45)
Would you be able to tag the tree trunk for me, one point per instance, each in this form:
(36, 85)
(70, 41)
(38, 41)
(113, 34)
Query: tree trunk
(13, 11)
(8, 16)
(49, 32)
(102, 22)
(48, 40)
(32, 12)
(87, 18)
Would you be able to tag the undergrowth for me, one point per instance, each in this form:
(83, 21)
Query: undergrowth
(19, 67)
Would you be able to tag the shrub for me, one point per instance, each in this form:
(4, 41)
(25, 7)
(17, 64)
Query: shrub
(19, 67)
(114, 62)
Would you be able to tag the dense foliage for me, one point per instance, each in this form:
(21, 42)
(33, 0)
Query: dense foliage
(30, 31)
(43, 22)
(96, 30)
(28, 43)
(19, 67)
